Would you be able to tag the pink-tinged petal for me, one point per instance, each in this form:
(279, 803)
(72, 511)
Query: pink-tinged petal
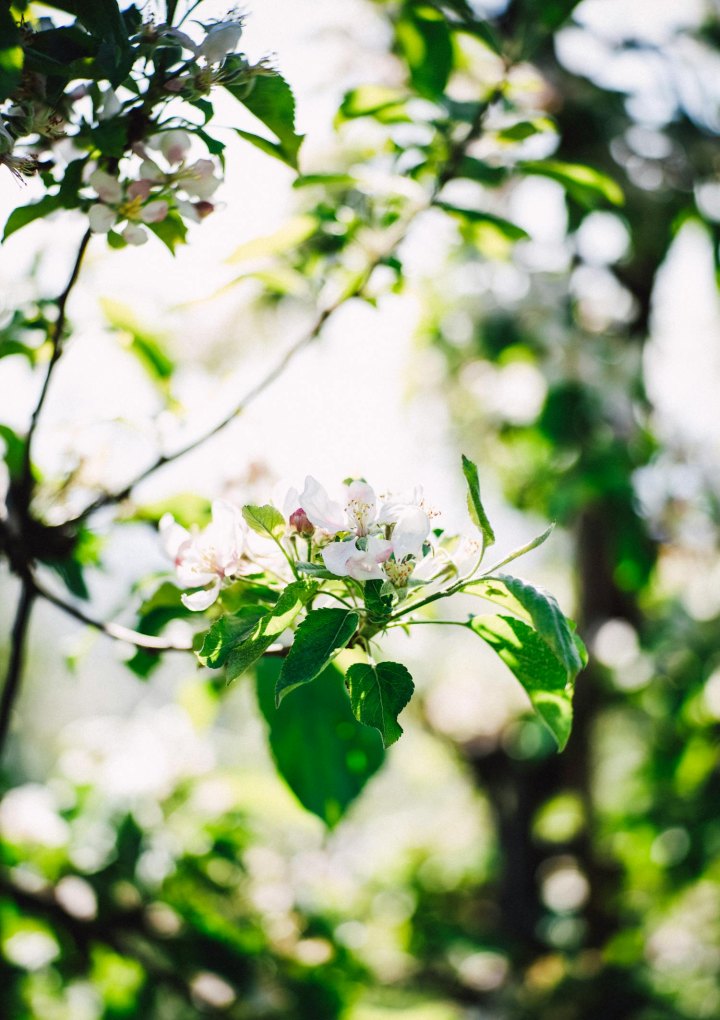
(364, 567)
(150, 171)
(155, 211)
(101, 218)
(174, 145)
(336, 555)
(361, 506)
(139, 189)
(200, 600)
(320, 509)
(291, 503)
(411, 529)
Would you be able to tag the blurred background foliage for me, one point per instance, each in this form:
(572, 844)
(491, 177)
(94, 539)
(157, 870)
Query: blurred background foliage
(152, 880)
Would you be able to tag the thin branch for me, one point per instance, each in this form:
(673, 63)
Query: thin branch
(13, 675)
(455, 156)
(116, 631)
(26, 483)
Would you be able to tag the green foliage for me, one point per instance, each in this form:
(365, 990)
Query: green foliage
(270, 99)
(319, 637)
(378, 693)
(265, 520)
(477, 511)
(325, 755)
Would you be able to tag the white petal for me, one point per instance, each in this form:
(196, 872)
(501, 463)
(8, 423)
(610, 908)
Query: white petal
(101, 218)
(361, 506)
(155, 211)
(220, 40)
(200, 600)
(111, 106)
(336, 555)
(364, 567)
(174, 145)
(379, 548)
(172, 535)
(320, 509)
(134, 234)
(411, 529)
(291, 503)
(107, 187)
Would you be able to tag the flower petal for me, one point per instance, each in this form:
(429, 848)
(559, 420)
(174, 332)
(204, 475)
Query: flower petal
(320, 509)
(411, 529)
(336, 555)
(200, 600)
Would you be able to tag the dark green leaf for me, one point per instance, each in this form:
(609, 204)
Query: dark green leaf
(424, 40)
(378, 600)
(477, 170)
(14, 450)
(265, 520)
(271, 100)
(321, 634)
(270, 627)
(477, 511)
(11, 54)
(532, 662)
(324, 755)
(378, 694)
(226, 633)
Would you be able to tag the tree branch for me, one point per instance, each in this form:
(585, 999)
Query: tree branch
(116, 631)
(13, 675)
(26, 481)
(449, 170)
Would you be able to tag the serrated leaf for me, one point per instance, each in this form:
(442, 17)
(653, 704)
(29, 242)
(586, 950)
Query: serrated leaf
(586, 185)
(171, 231)
(324, 755)
(532, 662)
(226, 633)
(265, 520)
(378, 694)
(270, 627)
(477, 511)
(321, 634)
(271, 100)
(378, 600)
(540, 608)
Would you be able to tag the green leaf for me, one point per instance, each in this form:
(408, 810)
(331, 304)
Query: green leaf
(226, 633)
(378, 694)
(321, 634)
(532, 662)
(378, 599)
(291, 234)
(11, 54)
(14, 450)
(186, 507)
(324, 755)
(424, 40)
(477, 170)
(380, 101)
(25, 214)
(271, 100)
(511, 231)
(270, 627)
(147, 347)
(265, 521)
(163, 606)
(538, 607)
(477, 511)
(585, 185)
(171, 231)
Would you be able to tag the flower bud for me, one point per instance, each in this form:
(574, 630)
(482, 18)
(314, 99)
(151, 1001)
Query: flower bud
(299, 520)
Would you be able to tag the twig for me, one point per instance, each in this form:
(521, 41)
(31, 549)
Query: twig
(116, 631)
(452, 164)
(26, 482)
(13, 675)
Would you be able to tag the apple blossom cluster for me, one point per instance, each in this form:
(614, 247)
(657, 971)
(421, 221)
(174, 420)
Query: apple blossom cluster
(356, 540)
(149, 197)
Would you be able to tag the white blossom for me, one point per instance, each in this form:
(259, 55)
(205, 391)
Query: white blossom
(221, 39)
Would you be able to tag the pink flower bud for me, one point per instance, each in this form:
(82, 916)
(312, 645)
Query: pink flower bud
(299, 521)
(204, 209)
(139, 189)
